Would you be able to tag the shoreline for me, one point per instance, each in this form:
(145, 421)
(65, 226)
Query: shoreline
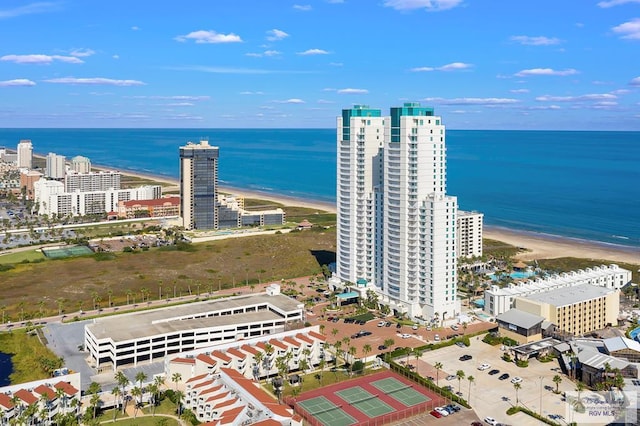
(539, 245)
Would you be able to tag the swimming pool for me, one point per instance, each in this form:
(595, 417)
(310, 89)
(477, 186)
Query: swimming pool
(635, 333)
(516, 275)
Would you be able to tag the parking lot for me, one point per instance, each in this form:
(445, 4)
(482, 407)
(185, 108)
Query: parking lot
(491, 396)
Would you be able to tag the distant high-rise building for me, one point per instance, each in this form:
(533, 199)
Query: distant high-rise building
(80, 164)
(92, 181)
(469, 228)
(25, 154)
(199, 185)
(396, 224)
(56, 165)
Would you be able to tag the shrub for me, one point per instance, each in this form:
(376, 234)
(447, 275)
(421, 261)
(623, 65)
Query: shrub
(492, 340)
(6, 267)
(506, 357)
(522, 363)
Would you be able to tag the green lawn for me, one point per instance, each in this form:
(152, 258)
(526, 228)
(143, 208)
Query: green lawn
(31, 360)
(22, 256)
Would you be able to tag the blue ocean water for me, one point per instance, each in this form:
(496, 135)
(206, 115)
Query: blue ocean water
(568, 183)
(6, 368)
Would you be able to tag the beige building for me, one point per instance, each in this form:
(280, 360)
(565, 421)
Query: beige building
(469, 228)
(576, 310)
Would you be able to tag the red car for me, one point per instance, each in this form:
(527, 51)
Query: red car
(435, 414)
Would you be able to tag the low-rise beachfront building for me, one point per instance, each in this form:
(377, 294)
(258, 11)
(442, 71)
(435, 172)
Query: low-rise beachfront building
(149, 336)
(469, 229)
(499, 300)
(621, 347)
(51, 398)
(575, 310)
(158, 207)
(521, 326)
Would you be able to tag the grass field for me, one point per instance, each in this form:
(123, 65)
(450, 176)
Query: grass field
(22, 256)
(31, 359)
(76, 282)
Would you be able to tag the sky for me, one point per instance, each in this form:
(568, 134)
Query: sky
(482, 64)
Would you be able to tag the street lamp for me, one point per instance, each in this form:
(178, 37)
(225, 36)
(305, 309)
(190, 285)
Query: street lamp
(540, 395)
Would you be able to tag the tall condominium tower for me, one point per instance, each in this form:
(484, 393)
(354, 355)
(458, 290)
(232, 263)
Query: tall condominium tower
(199, 185)
(55, 166)
(25, 154)
(411, 223)
(360, 143)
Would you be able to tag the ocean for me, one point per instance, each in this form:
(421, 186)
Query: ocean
(577, 184)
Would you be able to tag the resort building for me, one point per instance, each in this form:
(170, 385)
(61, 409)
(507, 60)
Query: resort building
(199, 185)
(232, 214)
(80, 164)
(621, 347)
(469, 228)
(25, 154)
(27, 179)
(92, 181)
(52, 397)
(53, 199)
(220, 378)
(55, 166)
(574, 310)
(158, 207)
(148, 336)
(521, 326)
(396, 224)
(499, 300)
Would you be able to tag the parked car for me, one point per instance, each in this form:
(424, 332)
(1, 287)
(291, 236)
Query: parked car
(516, 380)
(465, 357)
(453, 407)
(493, 372)
(442, 411)
(461, 344)
(490, 421)
(405, 335)
(454, 327)
(435, 414)
(451, 377)
(436, 338)
(398, 325)
(381, 324)
(382, 347)
(483, 367)
(388, 324)
(415, 327)
(505, 376)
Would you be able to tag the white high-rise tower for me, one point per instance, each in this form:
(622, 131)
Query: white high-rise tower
(412, 261)
(25, 154)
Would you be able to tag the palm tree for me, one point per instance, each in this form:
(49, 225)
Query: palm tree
(517, 387)
(179, 395)
(322, 327)
(334, 332)
(557, 380)
(579, 388)
(116, 396)
(460, 375)
(159, 382)
(321, 365)
(259, 359)
(389, 342)
(352, 352)
(135, 393)
(417, 353)
(122, 381)
(141, 377)
(337, 345)
(366, 349)
(471, 379)
(153, 390)
(438, 366)
(94, 390)
(175, 378)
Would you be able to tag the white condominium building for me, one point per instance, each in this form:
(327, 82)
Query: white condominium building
(469, 228)
(81, 164)
(360, 144)
(92, 181)
(25, 154)
(499, 300)
(56, 165)
(406, 233)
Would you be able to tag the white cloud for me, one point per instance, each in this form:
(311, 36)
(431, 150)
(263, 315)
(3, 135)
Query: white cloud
(536, 41)
(519, 90)
(181, 104)
(629, 30)
(230, 70)
(95, 81)
(313, 52)
(580, 98)
(545, 107)
(38, 7)
(620, 91)
(40, 59)
(429, 5)
(336, 64)
(135, 28)
(546, 71)
(473, 101)
(350, 91)
(265, 53)
(454, 66)
(291, 101)
(635, 81)
(324, 101)
(18, 82)
(275, 35)
(247, 92)
(302, 7)
(116, 56)
(173, 97)
(335, 1)
(82, 53)
(209, 37)
(611, 3)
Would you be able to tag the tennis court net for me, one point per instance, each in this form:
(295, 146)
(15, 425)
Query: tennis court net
(325, 410)
(367, 398)
(398, 389)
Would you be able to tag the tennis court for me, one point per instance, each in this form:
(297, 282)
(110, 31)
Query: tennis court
(62, 252)
(327, 412)
(364, 401)
(404, 393)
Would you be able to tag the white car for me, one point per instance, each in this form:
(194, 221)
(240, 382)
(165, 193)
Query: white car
(381, 323)
(442, 411)
(516, 380)
(484, 367)
(405, 336)
(491, 421)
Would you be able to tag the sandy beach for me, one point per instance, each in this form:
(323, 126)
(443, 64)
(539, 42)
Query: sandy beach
(539, 246)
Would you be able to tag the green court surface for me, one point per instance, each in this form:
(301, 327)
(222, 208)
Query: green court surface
(403, 393)
(364, 401)
(62, 252)
(326, 412)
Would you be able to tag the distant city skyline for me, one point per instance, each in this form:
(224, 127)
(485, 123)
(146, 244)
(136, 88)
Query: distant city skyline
(489, 64)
